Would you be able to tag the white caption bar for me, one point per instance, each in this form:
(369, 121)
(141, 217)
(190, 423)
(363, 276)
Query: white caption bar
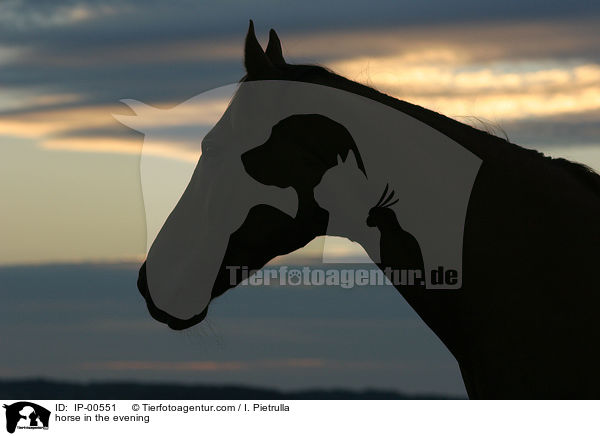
(302, 417)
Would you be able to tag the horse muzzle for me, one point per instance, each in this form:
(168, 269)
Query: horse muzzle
(159, 314)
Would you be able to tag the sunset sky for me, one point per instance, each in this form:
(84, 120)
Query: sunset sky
(69, 171)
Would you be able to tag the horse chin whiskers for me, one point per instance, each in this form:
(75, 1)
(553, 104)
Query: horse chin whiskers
(204, 333)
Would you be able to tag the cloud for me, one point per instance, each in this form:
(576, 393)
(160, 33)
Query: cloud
(210, 366)
(564, 130)
(64, 79)
(23, 15)
(175, 132)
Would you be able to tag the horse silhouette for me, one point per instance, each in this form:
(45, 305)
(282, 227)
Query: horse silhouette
(523, 323)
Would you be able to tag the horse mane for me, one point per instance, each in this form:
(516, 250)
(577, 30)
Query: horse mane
(482, 143)
(586, 174)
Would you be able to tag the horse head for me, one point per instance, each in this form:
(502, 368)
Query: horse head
(224, 220)
(270, 180)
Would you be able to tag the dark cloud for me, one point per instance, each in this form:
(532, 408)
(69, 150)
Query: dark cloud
(175, 81)
(126, 20)
(556, 131)
(168, 71)
(57, 29)
(166, 52)
(95, 314)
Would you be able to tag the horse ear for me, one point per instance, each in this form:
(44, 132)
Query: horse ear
(274, 51)
(255, 60)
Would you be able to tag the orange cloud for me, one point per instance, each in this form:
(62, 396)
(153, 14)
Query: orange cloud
(479, 71)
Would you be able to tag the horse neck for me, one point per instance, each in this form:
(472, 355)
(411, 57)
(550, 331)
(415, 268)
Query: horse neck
(435, 308)
(480, 143)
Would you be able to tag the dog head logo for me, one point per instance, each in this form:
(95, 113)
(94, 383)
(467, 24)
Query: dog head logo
(26, 415)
